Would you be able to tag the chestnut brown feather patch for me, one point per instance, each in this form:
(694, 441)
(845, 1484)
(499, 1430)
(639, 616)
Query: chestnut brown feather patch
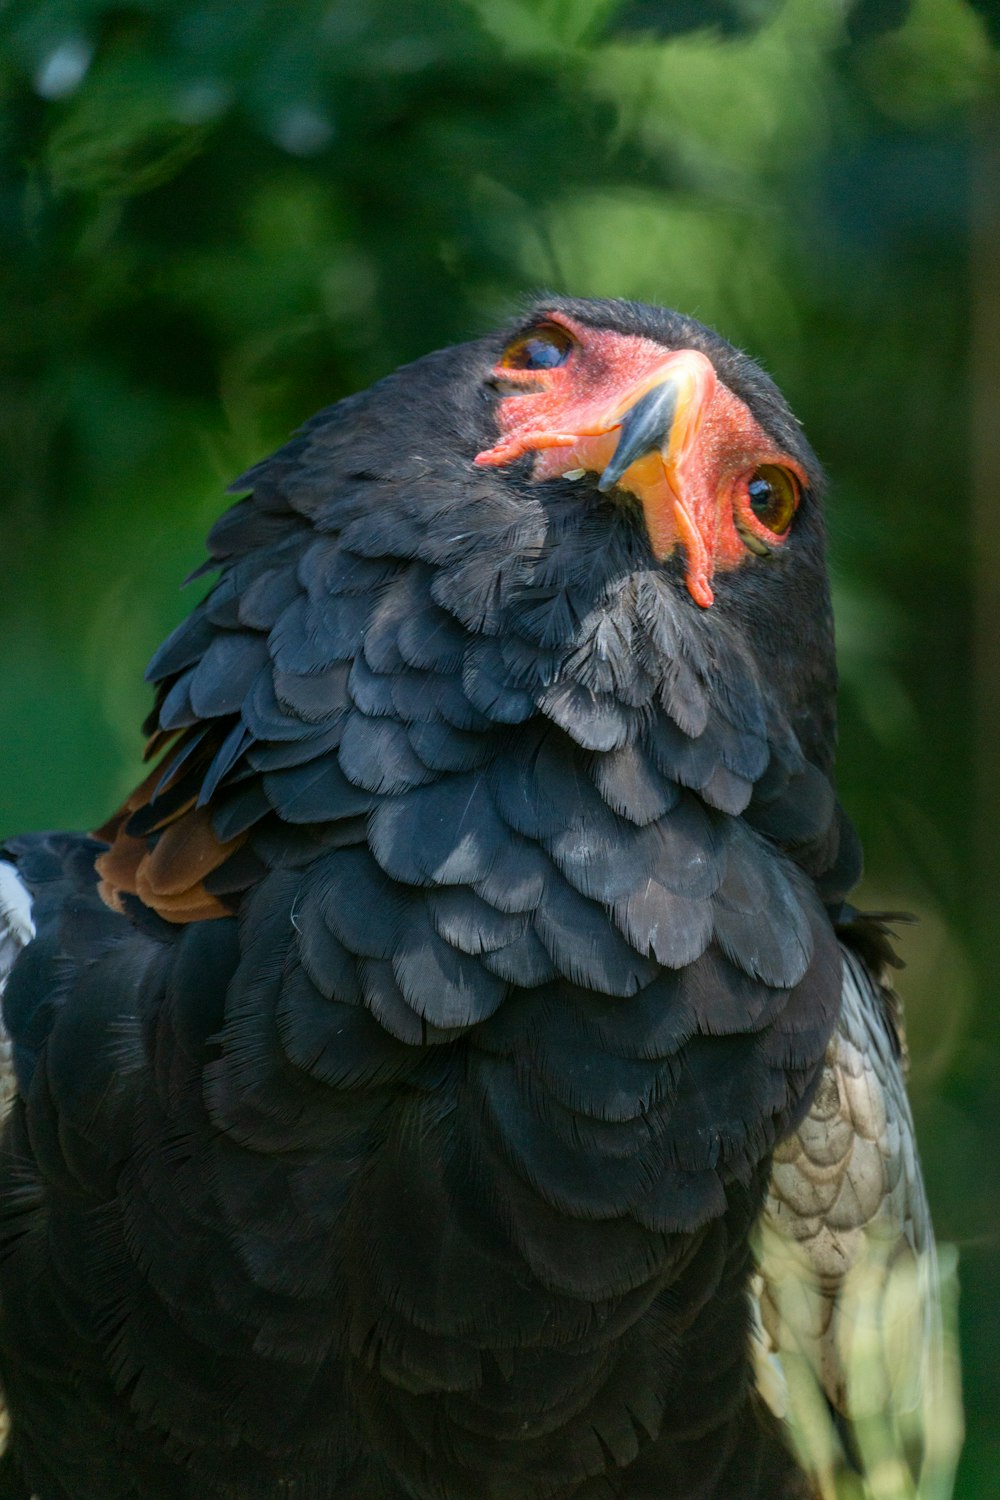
(165, 867)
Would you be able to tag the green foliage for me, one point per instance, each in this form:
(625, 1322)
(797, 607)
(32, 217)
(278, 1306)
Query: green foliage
(215, 218)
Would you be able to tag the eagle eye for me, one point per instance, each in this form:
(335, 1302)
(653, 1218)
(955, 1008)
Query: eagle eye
(541, 348)
(773, 493)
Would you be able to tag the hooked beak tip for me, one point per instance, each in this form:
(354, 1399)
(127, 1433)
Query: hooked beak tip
(645, 428)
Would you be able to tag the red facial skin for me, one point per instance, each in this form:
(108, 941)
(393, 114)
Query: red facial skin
(694, 490)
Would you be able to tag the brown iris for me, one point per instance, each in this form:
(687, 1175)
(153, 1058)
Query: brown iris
(773, 494)
(540, 348)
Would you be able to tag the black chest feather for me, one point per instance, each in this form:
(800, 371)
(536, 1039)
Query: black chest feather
(431, 1172)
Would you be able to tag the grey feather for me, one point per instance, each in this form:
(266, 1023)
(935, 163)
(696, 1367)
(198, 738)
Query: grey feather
(850, 1345)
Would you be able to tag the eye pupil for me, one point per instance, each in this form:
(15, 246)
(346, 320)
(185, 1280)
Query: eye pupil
(541, 348)
(761, 497)
(542, 355)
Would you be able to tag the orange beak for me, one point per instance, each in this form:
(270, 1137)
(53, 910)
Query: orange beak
(654, 460)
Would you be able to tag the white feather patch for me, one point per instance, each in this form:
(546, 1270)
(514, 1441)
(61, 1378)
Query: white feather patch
(16, 927)
(16, 931)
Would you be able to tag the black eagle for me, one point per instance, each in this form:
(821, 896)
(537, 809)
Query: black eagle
(456, 1072)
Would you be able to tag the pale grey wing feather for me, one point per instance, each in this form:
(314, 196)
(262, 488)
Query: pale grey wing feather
(850, 1345)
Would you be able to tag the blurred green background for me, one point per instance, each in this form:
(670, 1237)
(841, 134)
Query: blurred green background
(217, 217)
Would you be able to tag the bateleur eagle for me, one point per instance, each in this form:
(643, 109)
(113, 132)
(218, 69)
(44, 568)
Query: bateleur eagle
(455, 1072)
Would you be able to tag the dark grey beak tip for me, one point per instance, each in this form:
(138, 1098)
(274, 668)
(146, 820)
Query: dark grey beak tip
(645, 428)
